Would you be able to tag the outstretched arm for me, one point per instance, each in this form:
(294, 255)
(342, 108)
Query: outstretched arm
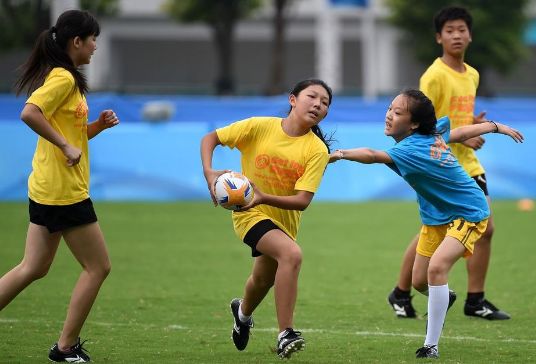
(361, 155)
(469, 131)
(477, 142)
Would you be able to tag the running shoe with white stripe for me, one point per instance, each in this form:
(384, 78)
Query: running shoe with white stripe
(290, 342)
(77, 354)
(240, 329)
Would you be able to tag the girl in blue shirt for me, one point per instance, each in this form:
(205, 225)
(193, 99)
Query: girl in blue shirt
(453, 209)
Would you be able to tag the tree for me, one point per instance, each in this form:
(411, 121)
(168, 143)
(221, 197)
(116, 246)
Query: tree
(498, 27)
(277, 70)
(100, 7)
(221, 16)
(21, 21)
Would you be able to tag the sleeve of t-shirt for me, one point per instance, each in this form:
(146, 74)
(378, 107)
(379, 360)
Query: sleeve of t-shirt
(235, 134)
(443, 127)
(53, 93)
(314, 171)
(401, 155)
(431, 87)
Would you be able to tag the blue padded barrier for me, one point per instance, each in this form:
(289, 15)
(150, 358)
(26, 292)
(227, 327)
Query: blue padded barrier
(160, 161)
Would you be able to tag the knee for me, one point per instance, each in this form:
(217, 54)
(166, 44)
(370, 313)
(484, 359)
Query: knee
(419, 284)
(293, 257)
(419, 279)
(100, 271)
(33, 273)
(435, 272)
(105, 270)
(488, 234)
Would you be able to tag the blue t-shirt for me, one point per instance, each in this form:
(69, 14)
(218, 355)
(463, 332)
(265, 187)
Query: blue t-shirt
(445, 192)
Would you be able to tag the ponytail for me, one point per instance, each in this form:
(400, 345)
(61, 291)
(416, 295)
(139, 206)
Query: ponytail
(50, 51)
(326, 139)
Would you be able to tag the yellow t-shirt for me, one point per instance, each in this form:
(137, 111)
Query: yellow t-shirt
(52, 182)
(277, 164)
(453, 94)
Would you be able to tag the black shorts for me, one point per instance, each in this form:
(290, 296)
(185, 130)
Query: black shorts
(60, 217)
(256, 233)
(481, 182)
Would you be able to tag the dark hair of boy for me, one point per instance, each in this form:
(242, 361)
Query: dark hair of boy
(452, 13)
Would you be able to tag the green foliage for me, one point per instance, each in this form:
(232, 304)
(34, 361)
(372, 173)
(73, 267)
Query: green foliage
(100, 7)
(210, 11)
(22, 21)
(498, 27)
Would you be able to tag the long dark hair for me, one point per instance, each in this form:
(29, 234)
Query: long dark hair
(50, 50)
(300, 86)
(422, 111)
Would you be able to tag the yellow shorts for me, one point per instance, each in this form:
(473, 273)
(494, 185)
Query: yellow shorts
(464, 231)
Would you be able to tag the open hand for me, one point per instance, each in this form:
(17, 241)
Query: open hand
(513, 133)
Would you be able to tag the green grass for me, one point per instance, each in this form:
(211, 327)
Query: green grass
(176, 266)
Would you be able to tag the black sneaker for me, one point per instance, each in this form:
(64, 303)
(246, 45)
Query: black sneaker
(452, 298)
(485, 309)
(402, 306)
(240, 329)
(77, 354)
(290, 342)
(428, 351)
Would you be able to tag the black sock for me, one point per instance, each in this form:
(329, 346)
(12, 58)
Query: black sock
(400, 293)
(474, 297)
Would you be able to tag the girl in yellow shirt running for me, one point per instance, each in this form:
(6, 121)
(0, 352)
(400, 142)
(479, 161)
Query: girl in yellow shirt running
(285, 159)
(58, 186)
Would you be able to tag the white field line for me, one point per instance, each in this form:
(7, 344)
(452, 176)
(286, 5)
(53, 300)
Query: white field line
(273, 329)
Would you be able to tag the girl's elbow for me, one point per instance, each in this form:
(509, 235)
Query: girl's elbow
(25, 115)
(303, 205)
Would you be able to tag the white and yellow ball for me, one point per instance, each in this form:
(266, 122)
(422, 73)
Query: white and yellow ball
(233, 190)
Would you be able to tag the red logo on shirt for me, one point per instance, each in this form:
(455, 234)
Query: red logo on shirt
(81, 110)
(262, 161)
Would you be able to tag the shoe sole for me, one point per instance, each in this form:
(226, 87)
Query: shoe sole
(293, 347)
(489, 317)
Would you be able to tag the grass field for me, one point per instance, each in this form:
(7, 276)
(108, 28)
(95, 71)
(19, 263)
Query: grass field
(176, 266)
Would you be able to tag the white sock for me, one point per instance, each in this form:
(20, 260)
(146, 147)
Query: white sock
(241, 315)
(438, 302)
